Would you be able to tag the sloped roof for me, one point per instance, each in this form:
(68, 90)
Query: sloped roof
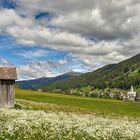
(8, 73)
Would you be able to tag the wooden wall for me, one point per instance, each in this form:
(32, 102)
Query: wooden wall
(7, 93)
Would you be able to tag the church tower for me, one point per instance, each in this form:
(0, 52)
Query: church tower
(132, 89)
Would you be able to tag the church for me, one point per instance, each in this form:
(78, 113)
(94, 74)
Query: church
(131, 95)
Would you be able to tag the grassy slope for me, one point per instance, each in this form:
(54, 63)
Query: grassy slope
(88, 104)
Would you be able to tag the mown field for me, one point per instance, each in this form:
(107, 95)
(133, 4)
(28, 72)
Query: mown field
(68, 103)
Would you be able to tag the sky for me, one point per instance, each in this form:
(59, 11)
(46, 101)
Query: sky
(46, 38)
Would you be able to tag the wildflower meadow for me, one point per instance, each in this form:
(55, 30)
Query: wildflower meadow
(41, 125)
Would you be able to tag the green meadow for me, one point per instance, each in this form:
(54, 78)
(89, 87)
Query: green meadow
(61, 102)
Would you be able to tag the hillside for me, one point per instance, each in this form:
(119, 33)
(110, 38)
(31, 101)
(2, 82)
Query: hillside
(43, 81)
(121, 75)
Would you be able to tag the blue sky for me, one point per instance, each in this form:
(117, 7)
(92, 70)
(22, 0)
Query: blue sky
(7, 4)
(19, 54)
(48, 38)
(16, 54)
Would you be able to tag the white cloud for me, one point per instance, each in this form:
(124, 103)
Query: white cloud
(103, 19)
(73, 44)
(113, 23)
(9, 18)
(45, 36)
(35, 70)
(32, 54)
(62, 62)
(43, 69)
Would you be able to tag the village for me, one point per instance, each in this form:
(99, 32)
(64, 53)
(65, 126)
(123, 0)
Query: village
(108, 94)
(127, 96)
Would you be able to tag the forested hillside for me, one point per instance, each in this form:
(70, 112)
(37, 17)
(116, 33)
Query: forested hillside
(121, 75)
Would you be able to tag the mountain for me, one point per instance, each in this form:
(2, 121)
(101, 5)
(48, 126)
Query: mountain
(72, 73)
(121, 75)
(43, 81)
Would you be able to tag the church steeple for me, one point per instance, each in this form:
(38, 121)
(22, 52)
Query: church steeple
(132, 89)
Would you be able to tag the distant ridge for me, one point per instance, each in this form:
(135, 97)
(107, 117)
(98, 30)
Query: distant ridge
(43, 81)
(121, 75)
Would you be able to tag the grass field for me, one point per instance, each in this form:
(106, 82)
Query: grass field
(101, 106)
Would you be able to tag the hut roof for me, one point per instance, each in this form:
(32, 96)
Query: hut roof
(8, 73)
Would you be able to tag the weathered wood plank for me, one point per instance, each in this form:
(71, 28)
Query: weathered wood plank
(7, 93)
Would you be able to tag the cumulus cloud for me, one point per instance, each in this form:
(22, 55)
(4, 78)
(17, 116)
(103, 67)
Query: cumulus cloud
(63, 61)
(108, 20)
(35, 70)
(45, 69)
(103, 19)
(32, 54)
(95, 32)
(45, 36)
(9, 18)
(73, 44)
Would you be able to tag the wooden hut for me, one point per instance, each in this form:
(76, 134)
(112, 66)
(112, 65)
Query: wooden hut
(8, 76)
